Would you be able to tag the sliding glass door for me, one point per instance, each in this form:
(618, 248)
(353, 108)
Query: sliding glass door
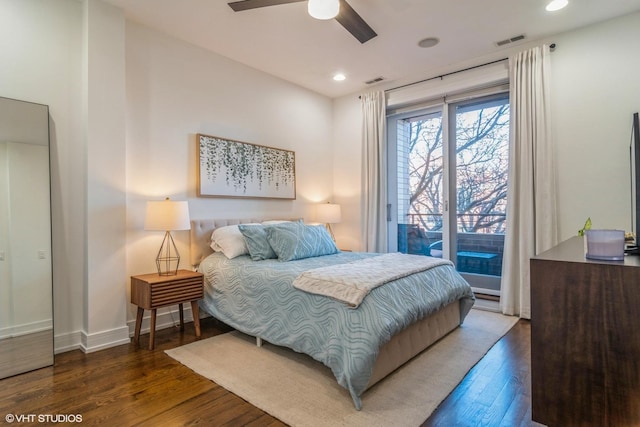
(447, 185)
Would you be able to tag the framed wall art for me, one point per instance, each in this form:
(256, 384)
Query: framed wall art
(228, 168)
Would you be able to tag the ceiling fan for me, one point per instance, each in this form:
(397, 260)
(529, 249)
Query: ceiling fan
(347, 17)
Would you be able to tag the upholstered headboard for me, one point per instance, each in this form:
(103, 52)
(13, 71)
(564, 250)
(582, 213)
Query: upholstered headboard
(201, 230)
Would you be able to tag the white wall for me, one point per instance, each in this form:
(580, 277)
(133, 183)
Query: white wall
(104, 101)
(176, 90)
(595, 90)
(347, 170)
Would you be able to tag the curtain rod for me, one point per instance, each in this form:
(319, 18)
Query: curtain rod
(552, 46)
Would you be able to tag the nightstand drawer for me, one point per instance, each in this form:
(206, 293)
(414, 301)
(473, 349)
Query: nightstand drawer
(151, 291)
(177, 291)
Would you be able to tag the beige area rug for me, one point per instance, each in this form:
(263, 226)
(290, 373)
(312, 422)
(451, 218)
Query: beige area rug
(302, 392)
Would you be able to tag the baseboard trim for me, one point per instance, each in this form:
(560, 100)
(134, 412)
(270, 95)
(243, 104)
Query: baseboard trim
(67, 342)
(485, 291)
(487, 305)
(89, 343)
(167, 319)
(26, 329)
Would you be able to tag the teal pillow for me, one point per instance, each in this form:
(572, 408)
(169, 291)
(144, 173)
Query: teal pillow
(255, 236)
(297, 241)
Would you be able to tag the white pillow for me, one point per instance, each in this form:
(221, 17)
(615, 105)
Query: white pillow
(274, 221)
(229, 240)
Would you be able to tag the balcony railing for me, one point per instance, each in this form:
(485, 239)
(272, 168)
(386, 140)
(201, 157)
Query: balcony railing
(478, 252)
(467, 223)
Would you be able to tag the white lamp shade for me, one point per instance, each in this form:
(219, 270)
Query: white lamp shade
(329, 213)
(167, 215)
(323, 9)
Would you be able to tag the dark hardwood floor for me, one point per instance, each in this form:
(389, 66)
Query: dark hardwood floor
(125, 385)
(495, 392)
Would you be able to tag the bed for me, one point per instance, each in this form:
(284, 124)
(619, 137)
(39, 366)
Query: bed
(360, 343)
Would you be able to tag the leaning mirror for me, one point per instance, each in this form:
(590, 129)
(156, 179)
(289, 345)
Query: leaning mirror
(26, 313)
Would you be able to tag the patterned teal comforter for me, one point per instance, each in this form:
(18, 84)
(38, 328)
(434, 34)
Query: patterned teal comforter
(257, 298)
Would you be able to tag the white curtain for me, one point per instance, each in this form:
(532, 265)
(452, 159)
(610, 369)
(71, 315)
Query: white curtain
(374, 169)
(531, 195)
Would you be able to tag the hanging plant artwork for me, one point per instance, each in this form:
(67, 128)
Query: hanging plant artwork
(230, 168)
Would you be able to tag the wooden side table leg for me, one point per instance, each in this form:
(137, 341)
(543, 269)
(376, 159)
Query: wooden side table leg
(181, 317)
(196, 317)
(136, 335)
(152, 330)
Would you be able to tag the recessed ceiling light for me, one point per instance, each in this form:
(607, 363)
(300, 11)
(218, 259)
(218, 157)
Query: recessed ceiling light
(339, 77)
(429, 42)
(554, 5)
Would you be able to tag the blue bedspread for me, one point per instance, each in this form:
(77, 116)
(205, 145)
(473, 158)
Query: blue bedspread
(257, 298)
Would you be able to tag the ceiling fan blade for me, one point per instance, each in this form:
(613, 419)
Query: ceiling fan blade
(347, 17)
(238, 6)
(354, 23)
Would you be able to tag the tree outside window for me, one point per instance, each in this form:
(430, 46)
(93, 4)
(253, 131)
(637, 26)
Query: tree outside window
(481, 149)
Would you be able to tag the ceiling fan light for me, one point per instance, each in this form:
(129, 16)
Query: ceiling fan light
(323, 9)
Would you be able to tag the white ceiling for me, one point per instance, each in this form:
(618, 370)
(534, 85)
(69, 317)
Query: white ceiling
(286, 42)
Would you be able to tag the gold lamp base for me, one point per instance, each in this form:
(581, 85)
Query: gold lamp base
(168, 258)
(330, 230)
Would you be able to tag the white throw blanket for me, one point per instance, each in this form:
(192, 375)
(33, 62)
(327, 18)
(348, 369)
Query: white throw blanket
(351, 282)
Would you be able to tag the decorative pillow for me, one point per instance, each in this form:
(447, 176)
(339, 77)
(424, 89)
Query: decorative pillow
(229, 240)
(255, 237)
(297, 241)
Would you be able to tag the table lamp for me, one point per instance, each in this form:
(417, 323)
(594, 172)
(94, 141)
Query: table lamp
(167, 216)
(329, 213)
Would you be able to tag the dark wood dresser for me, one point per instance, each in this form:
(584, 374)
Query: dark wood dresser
(585, 338)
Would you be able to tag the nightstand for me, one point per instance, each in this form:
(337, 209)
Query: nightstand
(152, 291)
